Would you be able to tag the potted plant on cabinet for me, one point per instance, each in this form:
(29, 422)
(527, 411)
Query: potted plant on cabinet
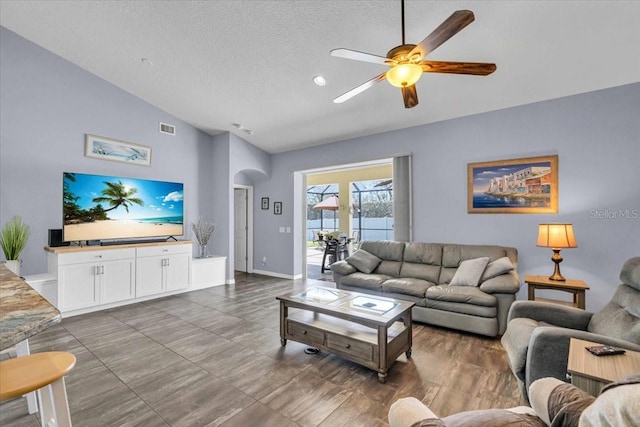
(13, 239)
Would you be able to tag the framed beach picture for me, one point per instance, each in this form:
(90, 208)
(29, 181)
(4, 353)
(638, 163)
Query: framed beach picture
(527, 185)
(265, 203)
(119, 151)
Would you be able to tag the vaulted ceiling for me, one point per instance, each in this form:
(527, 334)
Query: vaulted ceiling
(216, 63)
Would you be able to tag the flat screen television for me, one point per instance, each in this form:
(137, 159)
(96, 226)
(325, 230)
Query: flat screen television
(111, 208)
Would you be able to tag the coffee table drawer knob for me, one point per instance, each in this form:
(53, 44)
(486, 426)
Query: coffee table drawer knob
(304, 332)
(348, 346)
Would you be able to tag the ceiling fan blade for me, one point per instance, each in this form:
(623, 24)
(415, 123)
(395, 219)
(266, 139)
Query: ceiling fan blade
(359, 56)
(410, 96)
(452, 25)
(357, 90)
(475, 68)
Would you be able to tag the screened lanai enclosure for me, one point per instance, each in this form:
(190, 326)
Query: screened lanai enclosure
(370, 211)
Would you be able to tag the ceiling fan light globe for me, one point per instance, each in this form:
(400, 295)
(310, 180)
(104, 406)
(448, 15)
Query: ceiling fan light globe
(403, 75)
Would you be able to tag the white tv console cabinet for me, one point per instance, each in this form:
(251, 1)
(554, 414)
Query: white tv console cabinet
(91, 278)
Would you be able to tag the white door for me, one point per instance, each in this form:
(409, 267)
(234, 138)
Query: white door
(240, 229)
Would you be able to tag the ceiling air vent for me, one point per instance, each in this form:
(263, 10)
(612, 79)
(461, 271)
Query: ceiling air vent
(168, 129)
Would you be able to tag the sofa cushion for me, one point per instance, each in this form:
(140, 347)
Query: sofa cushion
(389, 268)
(462, 294)
(407, 285)
(620, 318)
(385, 250)
(469, 272)
(366, 281)
(343, 267)
(422, 261)
(496, 268)
(453, 255)
(364, 261)
(462, 308)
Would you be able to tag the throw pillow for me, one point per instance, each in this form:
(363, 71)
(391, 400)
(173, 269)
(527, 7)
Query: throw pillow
(469, 272)
(364, 261)
(496, 268)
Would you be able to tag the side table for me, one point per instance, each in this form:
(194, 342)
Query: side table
(590, 373)
(573, 286)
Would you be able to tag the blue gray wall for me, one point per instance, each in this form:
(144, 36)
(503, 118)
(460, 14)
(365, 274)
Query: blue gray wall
(47, 105)
(596, 136)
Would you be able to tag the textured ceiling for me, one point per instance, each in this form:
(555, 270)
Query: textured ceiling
(215, 63)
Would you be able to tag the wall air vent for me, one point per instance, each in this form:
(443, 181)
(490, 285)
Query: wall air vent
(168, 129)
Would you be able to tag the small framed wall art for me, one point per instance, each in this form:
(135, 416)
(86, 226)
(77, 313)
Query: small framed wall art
(265, 203)
(527, 185)
(277, 208)
(119, 151)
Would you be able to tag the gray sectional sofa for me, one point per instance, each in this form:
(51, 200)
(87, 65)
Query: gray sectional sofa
(424, 273)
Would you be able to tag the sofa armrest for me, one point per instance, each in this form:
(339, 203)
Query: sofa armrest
(507, 283)
(549, 351)
(555, 314)
(343, 268)
(408, 411)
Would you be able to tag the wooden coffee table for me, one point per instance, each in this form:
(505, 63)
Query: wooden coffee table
(369, 330)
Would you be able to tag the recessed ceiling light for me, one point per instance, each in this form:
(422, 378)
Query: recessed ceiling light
(319, 80)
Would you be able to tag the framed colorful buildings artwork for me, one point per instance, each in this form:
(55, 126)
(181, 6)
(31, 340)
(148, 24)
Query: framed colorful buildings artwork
(528, 185)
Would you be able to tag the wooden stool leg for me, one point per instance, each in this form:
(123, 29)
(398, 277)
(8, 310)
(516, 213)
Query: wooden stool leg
(55, 406)
(22, 349)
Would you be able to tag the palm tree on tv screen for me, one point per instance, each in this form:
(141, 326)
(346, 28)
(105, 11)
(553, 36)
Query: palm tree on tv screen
(116, 195)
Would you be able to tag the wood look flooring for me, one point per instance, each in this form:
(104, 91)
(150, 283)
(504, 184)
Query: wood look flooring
(213, 358)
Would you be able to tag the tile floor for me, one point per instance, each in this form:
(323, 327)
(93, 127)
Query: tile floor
(213, 357)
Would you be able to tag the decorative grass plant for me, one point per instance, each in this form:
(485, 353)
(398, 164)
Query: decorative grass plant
(13, 238)
(203, 231)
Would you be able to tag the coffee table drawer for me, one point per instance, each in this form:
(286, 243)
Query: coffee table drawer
(351, 347)
(303, 333)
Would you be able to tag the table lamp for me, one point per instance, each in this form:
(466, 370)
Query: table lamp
(556, 237)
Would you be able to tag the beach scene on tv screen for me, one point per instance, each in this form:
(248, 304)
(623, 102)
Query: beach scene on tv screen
(99, 207)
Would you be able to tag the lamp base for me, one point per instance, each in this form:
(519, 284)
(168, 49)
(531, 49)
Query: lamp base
(557, 259)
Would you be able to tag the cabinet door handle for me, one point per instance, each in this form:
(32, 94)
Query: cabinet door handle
(98, 256)
(102, 269)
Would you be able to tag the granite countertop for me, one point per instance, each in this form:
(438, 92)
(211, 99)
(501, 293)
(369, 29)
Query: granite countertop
(23, 311)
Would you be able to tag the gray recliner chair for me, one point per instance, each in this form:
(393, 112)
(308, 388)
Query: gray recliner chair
(538, 333)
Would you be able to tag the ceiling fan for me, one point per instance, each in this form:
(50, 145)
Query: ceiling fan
(406, 62)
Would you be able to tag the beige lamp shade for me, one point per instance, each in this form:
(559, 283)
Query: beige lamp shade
(556, 236)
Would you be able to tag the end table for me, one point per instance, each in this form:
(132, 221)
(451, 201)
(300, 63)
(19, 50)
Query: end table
(573, 286)
(590, 373)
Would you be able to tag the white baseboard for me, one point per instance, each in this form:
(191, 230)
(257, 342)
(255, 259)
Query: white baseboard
(278, 275)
